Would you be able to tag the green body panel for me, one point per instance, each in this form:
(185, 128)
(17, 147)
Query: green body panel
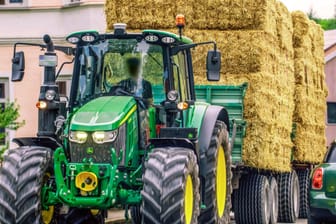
(106, 195)
(184, 39)
(104, 113)
(230, 97)
(326, 197)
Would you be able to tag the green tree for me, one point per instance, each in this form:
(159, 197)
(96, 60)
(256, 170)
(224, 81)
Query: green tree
(8, 120)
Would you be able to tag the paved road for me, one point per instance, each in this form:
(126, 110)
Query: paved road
(117, 217)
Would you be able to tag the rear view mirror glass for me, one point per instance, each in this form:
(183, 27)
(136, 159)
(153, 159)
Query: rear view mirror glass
(18, 66)
(213, 65)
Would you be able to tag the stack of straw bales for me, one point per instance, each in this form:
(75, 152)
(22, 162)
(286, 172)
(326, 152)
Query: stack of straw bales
(310, 90)
(256, 41)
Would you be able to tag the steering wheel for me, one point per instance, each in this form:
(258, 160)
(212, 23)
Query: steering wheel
(119, 90)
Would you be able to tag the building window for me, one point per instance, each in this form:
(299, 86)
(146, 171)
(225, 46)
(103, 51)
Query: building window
(2, 130)
(331, 112)
(62, 88)
(11, 3)
(3, 100)
(64, 85)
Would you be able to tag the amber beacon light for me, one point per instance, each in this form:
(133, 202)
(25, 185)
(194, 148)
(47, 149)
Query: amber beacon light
(180, 21)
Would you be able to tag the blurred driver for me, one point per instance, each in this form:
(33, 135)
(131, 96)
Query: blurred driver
(131, 84)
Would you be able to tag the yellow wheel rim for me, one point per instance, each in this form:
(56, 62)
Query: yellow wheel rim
(94, 212)
(221, 182)
(47, 215)
(188, 200)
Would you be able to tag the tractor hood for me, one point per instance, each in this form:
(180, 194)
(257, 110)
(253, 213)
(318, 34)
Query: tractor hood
(103, 114)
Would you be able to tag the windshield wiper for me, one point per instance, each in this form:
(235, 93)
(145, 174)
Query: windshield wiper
(154, 59)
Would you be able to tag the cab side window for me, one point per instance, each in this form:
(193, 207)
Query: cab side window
(180, 72)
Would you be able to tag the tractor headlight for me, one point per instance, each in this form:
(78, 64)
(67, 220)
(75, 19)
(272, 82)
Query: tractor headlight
(78, 136)
(101, 137)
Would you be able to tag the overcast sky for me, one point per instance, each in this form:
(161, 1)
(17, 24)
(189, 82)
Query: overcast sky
(322, 8)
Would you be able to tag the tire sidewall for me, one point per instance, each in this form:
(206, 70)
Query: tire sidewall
(223, 140)
(295, 194)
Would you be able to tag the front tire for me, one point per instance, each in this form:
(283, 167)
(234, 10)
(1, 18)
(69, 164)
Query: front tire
(26, 170)
(217, 185)
(171, 187)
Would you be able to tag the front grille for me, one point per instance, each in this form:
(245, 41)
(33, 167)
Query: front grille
(102, 153)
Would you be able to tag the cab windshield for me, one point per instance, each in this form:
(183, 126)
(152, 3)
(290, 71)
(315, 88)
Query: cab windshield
(130, 64)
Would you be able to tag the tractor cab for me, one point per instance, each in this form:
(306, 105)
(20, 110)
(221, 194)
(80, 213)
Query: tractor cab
(115, 73)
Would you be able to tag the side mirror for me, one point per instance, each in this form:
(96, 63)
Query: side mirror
(18, 66)
(213, 65)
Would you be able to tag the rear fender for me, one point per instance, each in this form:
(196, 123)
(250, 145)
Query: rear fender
(212, 114)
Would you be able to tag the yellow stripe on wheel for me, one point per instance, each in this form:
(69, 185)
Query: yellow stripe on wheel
(188, 200)
(221, 182)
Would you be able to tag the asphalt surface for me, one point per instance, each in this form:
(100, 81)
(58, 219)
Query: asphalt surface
(117, 217)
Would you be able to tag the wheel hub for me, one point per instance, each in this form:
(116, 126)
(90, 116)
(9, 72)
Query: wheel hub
(188, 200)
(221, 182)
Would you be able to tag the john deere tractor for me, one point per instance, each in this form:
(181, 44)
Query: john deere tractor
(110, 146)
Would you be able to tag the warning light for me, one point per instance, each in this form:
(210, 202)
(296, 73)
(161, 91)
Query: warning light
(41, 105)
(180, 20)
(182, 106)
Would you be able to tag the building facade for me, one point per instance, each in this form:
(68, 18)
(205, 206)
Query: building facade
(28, 21)
(330, 71)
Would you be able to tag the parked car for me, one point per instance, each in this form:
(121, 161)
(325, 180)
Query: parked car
(322, 195)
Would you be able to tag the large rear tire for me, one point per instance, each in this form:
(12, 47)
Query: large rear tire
(304, 191)
(252, 202)
(217, 185)
(171, 187)
(289, 197)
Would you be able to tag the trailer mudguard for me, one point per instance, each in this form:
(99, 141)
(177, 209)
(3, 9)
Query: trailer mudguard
(212, 114)
(47, 142)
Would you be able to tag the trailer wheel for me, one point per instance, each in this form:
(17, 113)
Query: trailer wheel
(217, 185)
(289, 197)
(136, 214)
(274, 195)
(304, 191)
(252, 200)
(171, 187)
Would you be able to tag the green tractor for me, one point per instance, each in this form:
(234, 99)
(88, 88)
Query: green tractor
(110, 146)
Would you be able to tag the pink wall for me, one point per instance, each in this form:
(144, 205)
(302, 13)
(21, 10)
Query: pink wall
(330, 70)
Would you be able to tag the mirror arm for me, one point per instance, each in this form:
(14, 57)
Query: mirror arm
(27, 44)
(176, 49)
(65, 50)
